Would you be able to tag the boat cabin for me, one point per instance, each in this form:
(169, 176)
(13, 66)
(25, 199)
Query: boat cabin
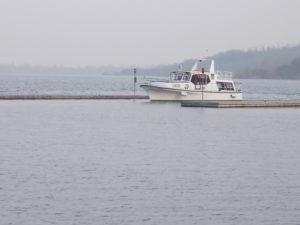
(195, 78)
(200, 76)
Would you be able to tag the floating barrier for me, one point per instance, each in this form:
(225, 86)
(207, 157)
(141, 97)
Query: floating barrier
(72, 97)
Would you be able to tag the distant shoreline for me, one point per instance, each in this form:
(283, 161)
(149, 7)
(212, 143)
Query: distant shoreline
(139, 76)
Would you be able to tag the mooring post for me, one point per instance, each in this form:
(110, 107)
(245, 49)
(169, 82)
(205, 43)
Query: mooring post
(134, 81)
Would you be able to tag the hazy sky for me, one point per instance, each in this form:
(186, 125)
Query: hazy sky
(139, 32)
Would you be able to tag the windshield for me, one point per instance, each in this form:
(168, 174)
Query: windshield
(180, 76)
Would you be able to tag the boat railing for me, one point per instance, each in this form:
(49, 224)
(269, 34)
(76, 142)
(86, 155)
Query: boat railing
(154, 79)
(224, 75)
(238, 86)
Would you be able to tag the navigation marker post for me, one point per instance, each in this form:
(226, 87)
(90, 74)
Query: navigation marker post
(134, 81)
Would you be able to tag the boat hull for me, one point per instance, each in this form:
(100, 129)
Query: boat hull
(165, 94)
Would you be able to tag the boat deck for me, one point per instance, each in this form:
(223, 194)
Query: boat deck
(242, 103)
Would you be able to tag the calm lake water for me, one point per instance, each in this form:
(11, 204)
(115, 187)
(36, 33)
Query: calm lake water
(136, 162)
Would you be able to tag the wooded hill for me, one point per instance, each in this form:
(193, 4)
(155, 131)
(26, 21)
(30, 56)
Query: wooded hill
(268, 63)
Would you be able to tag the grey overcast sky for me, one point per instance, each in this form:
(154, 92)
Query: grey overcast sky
(139, 32)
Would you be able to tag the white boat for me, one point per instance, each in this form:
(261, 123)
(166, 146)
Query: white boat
(197, 84)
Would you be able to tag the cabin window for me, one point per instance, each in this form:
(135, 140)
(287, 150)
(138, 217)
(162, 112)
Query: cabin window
(176, 76)
(186, 77)
(180, 76)
(200, 79)
(227, 86)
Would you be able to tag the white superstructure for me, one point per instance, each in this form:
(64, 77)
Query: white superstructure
(198, 84)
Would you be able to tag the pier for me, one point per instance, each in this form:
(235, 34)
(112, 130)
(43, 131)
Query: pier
(242, 104)
(72, 97)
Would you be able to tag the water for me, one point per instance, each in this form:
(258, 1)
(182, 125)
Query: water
(65, 84)
(92, 84)
(135, 162)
